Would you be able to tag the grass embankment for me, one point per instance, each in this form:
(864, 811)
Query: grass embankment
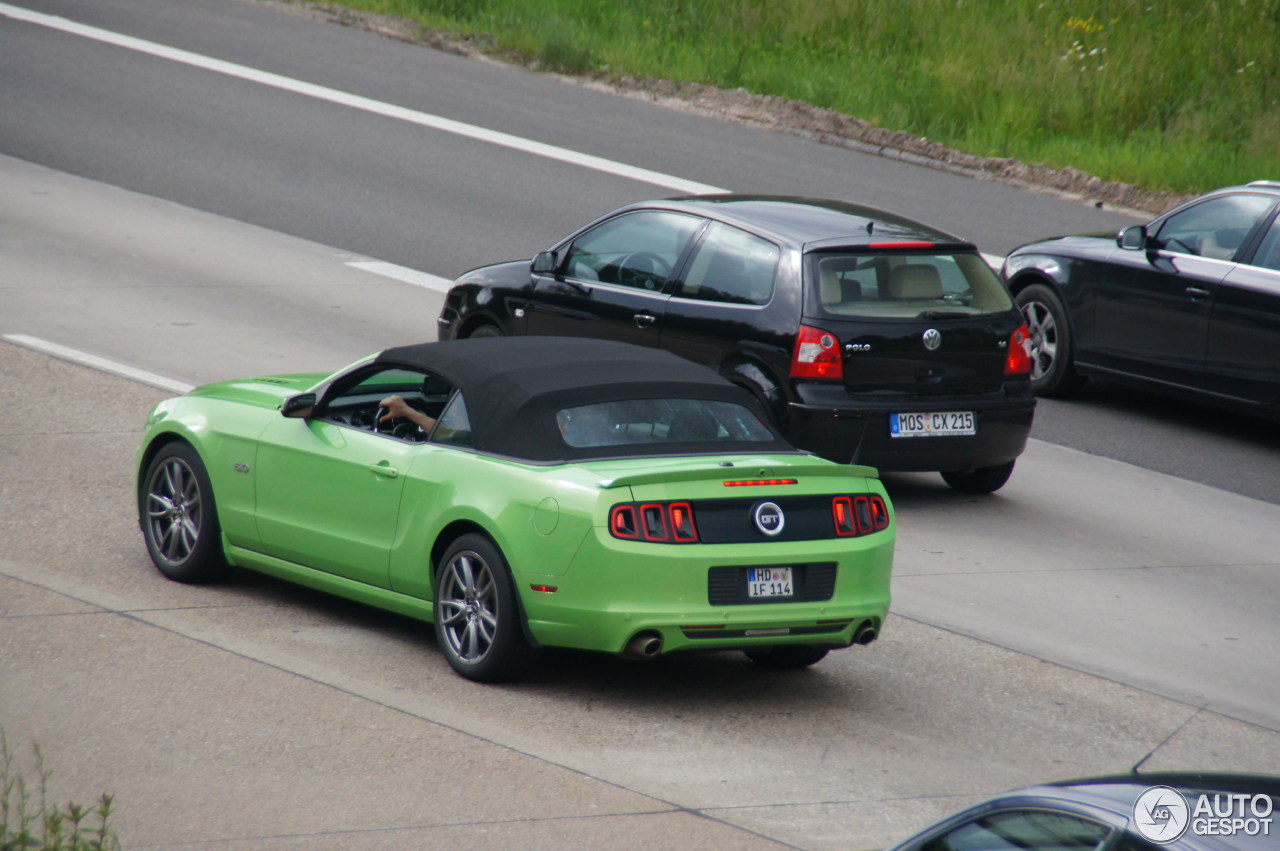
(1181, 95)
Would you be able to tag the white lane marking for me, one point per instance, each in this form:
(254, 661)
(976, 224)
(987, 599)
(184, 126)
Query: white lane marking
(86, 359)
(403, 273)
(377, 107)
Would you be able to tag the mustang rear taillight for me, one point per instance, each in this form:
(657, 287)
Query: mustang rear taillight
(817, 355)
(658, 522)
(859, 515)
(1018, 360)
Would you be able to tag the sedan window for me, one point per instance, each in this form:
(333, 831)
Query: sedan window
(1020, 830)
(731, 266)
(1215, 228)
(646, 421)
(633, 250)
(1268, 254)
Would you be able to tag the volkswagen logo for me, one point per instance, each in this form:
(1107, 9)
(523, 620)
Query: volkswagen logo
(932, 339)
(769, 518)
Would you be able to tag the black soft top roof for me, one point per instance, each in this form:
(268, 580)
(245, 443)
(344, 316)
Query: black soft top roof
(514, 386)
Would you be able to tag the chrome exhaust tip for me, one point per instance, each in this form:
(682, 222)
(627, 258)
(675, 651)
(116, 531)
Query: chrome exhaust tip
(865, 633)
(643, 645)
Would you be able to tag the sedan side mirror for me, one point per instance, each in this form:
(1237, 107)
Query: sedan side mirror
(545, 262)
(1133, 238)
(299, 407)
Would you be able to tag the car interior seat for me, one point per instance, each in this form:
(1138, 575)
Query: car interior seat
(915, 281)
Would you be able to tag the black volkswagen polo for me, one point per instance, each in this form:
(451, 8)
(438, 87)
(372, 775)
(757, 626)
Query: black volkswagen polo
(868, 337)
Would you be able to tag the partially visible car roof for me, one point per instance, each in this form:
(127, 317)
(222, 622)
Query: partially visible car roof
(1111, 798)
(799, 221)
(514, 385)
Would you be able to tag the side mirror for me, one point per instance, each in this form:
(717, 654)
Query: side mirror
(1133, 238)
(299, 407)
(545, 262)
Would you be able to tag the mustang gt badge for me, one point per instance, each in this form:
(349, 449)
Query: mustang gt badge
(769, 518)
(932, 339)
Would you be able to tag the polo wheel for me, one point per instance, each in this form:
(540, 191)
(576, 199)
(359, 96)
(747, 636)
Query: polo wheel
(980, 480)
(477, 615)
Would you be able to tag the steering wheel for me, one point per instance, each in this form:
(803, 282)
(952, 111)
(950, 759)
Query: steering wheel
(383, 410)
(645, 269)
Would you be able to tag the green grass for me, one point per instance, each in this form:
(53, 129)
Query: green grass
(1181, 95)
(29, 822)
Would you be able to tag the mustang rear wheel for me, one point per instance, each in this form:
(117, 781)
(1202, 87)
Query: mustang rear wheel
(178, 517)
(1053, 370)
(477, 617)
(979, 480)
(788, 656)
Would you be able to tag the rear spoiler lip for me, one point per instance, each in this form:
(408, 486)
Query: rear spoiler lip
(737, 473)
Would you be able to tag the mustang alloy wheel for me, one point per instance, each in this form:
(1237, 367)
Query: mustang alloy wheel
(477, 617)
(178, 517)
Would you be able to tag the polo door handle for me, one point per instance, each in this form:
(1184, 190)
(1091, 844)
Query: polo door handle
(1197, 293)
(644, 320)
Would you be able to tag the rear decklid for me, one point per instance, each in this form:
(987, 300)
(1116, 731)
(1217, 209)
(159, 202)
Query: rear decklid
(740, 499)
(914, 318)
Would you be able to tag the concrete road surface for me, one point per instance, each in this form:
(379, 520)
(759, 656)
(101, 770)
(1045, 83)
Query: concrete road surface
(256, 715)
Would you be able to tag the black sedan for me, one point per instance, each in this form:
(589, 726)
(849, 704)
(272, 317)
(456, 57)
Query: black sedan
(868, 337)
(1188, 304)
(1132, 812)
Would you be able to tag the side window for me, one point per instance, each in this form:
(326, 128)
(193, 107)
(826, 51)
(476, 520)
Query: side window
(632, 250)
(1018, 830)
(356, 404)
(731, 266)
(454, 426)
(1215, 228)
(1268, 254)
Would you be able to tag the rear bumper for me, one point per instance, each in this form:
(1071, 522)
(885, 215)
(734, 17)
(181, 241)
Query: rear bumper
(833, 425)
(616, 590)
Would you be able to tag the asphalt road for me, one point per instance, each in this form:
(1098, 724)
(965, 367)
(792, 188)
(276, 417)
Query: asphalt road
(441, 203)
(1068, 625)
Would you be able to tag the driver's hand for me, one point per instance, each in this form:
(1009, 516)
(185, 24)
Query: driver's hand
(396, 407)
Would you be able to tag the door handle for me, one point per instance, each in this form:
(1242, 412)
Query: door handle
(644, 320)
(1197, 294)
(382, 468)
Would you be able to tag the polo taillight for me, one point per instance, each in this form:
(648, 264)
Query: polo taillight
(1018, 360)
(816, 355)
(859, 515)
(658, 522)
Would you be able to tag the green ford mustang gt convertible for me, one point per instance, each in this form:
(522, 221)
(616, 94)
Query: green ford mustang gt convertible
(525, 492)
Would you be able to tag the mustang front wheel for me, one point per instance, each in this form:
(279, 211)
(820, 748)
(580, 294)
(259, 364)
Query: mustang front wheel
(178, 517)
(477, 618)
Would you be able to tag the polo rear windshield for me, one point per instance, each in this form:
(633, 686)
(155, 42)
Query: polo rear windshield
(649, 422)
(897, 285)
